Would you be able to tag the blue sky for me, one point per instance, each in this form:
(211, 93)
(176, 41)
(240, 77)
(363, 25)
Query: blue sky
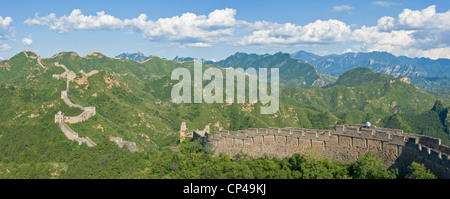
(216, 29)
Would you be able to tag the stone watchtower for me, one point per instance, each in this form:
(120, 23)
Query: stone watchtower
(183, 131)
(63, 94)
(59, 117)
(185, 134)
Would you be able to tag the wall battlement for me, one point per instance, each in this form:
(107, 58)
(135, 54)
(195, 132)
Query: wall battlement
(344, 143)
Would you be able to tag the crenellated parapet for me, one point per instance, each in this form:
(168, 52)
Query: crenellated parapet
(322, 135)
(345, 143)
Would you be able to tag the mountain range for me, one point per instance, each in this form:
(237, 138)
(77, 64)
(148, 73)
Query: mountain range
(378, 61)
(182, 59)
(140, 57)
(431, 75)
(133, 102)
(292, 72)
(426, 73)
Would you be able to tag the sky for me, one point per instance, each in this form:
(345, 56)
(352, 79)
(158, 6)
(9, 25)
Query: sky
(214, 29)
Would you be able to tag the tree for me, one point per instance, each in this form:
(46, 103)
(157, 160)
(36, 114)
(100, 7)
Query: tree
(419, 171)
(369, 167)
(438, 106)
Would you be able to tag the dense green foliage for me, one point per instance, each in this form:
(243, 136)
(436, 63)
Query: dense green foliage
(420, 172)
(433, 122)
(362, 76)
(362, 91)
(440, 85)
(193, 161)
(369, 167)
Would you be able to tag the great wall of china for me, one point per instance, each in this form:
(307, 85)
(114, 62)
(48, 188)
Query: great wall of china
(346, 143)
(87, 113)
(61, 119)
(33, 57)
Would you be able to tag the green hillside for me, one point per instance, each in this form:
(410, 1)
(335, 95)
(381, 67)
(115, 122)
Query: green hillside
(363, 90)
(362, 76)
(426, 73)
(434, 122)
(292, 71)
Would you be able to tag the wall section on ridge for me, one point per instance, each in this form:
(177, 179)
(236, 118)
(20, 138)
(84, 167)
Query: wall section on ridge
(346, 143)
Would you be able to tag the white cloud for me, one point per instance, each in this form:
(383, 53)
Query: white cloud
(342, 8)
(331, 30)
(316, 32)
(77, 21)
(411, 33)
(416, 33)
(199, 44)
(27, 41)
(223, 17)
(196, 44)
(5, 47)
(348, 50)
(188, 27)
(6, 28)
(383, 3)
(435, 53)
(424, 19)
(386, 23)
(372, 35)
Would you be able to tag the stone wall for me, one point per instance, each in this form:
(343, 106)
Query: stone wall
(87, 113)
(93, 72)
(72, 135)
(86, 140)
(345, 143)
(64, 96)
(34, 57)
(119, 141)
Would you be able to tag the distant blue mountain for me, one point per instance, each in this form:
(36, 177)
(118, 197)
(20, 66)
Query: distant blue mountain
(424, 72)
(134, 56)
(182, 59)
(378, 61)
